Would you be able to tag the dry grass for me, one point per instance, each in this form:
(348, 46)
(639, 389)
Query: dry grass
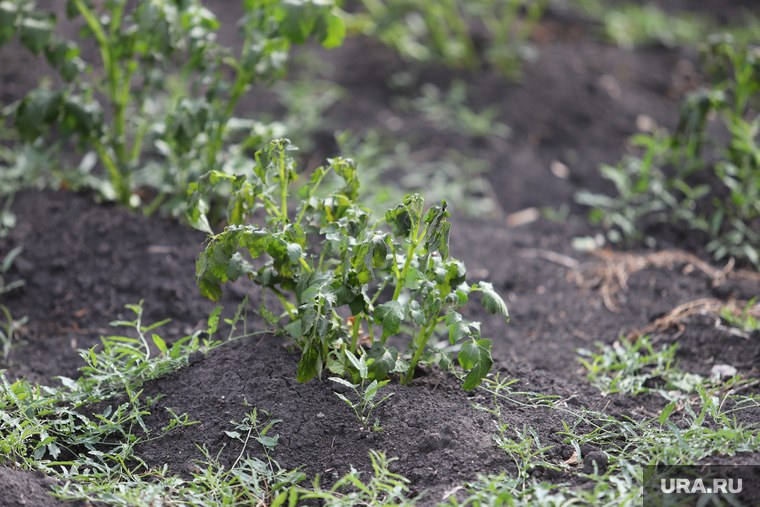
(609, 274)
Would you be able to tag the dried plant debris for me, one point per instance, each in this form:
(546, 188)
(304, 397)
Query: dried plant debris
(730, 313)
(610, 273)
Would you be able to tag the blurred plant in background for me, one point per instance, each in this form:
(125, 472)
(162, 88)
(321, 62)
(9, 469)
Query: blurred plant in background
(668, 183)
(634, 24)
(157, 108)
(460, 33)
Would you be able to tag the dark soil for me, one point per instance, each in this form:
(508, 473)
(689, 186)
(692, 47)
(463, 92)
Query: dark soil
(577, 103)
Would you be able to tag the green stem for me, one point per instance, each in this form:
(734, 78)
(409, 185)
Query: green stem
(142, 130)
(381, 221)
(355, 332)
(306, 266)
(291, 313)
(118, 182)
(270, 206)
(114, 79)
(402, 278)
(380, 289)
(283, 188)
(242, 78)
(311, 194)
(422, 339)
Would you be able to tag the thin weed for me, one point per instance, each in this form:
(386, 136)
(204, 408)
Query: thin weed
(5, 266)
(632, 367)
(250, 481)
(384, 488)
(747, 321)
(8, 329)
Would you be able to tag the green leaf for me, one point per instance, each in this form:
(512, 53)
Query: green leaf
(210, 286)
(418, 316)
(35, 33)
(39, 107)
(307, 366)
(361, 303)
(294, 328)
(344, 382)
(295, 23)
(452, 317)
(369, 254)
(213, 319)
(405, 217)
(8, 12)
(492, 301)
(294, 252)
(438, 231)
(370, 392)
(384, 360)
(346, 169)
(256, 241)
(160, 343)
(344, 398)
(475, 355)
(237, 267)
(390, 315)
(457, 331)
(359, 363)
(218, 259)
(54, 450)
(81, 116)
(268, 442)
(667, 411)
(335, 33)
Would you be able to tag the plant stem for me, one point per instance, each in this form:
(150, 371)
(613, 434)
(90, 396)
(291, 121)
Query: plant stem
(242, 78)
(405, 271)
(409, 255)
(245, 444)
(355, 332)
(293, 316)
(421, 341)
(283, 188)
(142, 333)
(311, 194)
(380, 289)
(305, 265)
(114, 78)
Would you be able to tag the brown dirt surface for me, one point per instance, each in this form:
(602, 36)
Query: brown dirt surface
(578, 103)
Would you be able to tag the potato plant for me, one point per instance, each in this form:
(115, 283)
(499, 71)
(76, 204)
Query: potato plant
(325, 258)
(445, 30)
(157, 106)
(661, 184)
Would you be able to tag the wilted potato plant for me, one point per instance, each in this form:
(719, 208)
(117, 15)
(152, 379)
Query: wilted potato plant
(334, 260)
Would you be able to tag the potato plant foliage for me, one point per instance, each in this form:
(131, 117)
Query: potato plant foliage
(333, 259)
(664, 184)
(156, 104)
